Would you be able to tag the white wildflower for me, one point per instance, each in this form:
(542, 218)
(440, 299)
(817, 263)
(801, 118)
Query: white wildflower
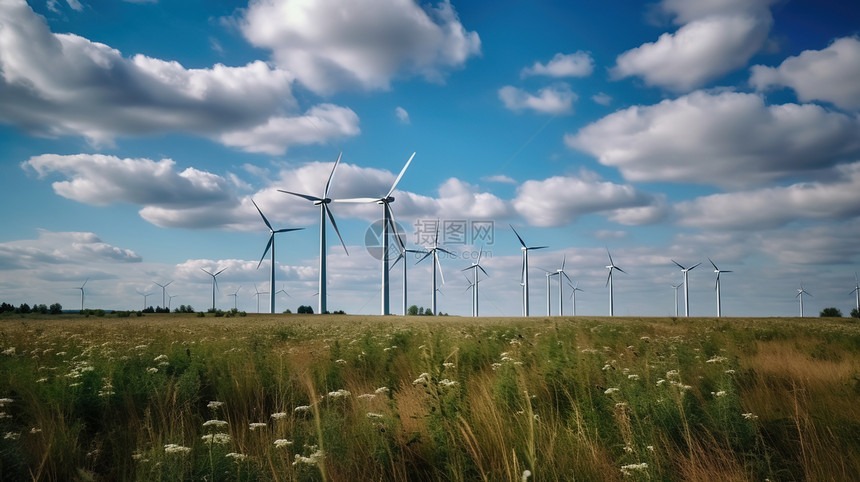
(176, 449)
(216, 438)
(629, 468)
(282, 442)
(35, 430)
(4, 401)
(160, 358)
(42, 380)
(340, 361)
(215, 423)
(374, 415)
(255, 425)
(721, 393)
(749, 416)
(302, 409)
(279, 415)
(367, 395)
(152, 370)
(341, 393)
(11, 436)
(611, 390)
(730, 372)
(213, 405)
(312, 459)
(633, 377)
(237, 457)
(447, 383)
(526, 474)
(9, 351)
(660, 382)
(448, 365)
(716, 359)
(381, 390)
(423, 378)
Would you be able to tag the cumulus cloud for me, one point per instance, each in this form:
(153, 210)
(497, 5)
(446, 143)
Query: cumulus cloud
(579, 64)
(601, 98)
(777, 206)
(560, 200)
(53, 248)
(64, 84)
(714, 38)
(815, 245)
(709, 138)
(829, 75)
(335, 44)
(500, 178)
(402, 115)
(557, 99)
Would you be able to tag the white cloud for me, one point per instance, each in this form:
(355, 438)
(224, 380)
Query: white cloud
(601, 98)
(63, 84)
(54, 248)
(560, 200)
(709, 138)
(579, 64)
(500, 178)
(335, 44)
(557, 99)
(402, 115)
(777, 206)
(715, 37)
(829, 75)
(831, 244)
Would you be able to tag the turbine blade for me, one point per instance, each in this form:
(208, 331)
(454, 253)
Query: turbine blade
(480, 253)
(168, 284)
(392, 222)
(566, 276)
(263, 216)
(216, 274)
(428, 253)
(446, 251)
(305, 196)
(330, 176)
(439, 264)
(207, 272)
(436, 238)
(538, 247)
(356, 200)
(563, 259)
(619, 269)
(518, 236)
(400, 176)
(334, 225)
(610, 257)
(287, 230)
(402, 256)
(483, 270)
(725, 271)
(712, 264)
(691, 267)
(608, 277)
(85, 282)
(266, 251)
(678, 264)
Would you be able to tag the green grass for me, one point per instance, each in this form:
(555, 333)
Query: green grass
(371, 398)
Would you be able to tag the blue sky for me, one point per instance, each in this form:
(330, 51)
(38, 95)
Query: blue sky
(134, 135)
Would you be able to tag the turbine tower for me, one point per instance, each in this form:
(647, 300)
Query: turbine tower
(257, 293)
(82, 293)
(402, 256)
(434, 252)
(611, 268)
(549, 275)
(856, 292)
(717, 286)
(164, 292)
(686, 287)
(235, 296)
(799, 294)
(474, 284)
(573, 290)
(170, 300)
(676, 296)
(323, 203)
(271, 245)
(214, 283)
(561, 274)
(387, 220)
(524, 278)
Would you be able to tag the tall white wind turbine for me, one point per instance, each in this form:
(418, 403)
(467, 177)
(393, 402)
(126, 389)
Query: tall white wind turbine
(164, 292)
(82, 293)
(214, 283)
(170, 300)
(561, 277)
(524, 278)
(856, 292)
(676, 296)
(387, 220)
(403, 254)
(271, 245)
(434, 252)
(549, 275)
(611, 267)
(474, 284)
(323, 203)
(717, 286)
(145, 296)
(799, 295)
(573, 290)
(686, 287)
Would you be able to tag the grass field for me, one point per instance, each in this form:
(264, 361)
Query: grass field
(292, 397)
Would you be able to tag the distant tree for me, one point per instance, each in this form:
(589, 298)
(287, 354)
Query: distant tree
(339, 312)
(288, 311)
(831, 313)
(56, 309)
(4, 307)
(305, 310)
(428, 312)
(412, 311)
(40, 308)
(24, 308)
(855, 313)
(149, 309)
(421, 310)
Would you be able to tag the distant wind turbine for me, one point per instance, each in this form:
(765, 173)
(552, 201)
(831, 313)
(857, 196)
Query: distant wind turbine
(561, 277)
(323, 203)
(474, 284)
(549, 274)
(676, 296)
(856, 292)
(717, 286)
(434, 252)
(164, 292)
(271, 245)
(235, 296)
(145, 296)
(82, 293)
(573, 290)
(611, 267)
(214, 283)
(170, 300)
(686, 287)
(799, 295)
(387, 220)
(258, 293)
(403, 251)
(524, 278)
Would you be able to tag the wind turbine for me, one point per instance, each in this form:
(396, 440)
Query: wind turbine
(524, 278)
(271, 245)
(402, 256)
(434, 252)
(549, 274)
(235, 296)
(611, 267)
(323, 203)
(474, 284)
(561, 274)
(170, 300)
(82, 293)
(163, 292)
(686, 287)
(387, 220)
(573, 290)
(717, 285)
(257, 294)
(799, 294)
(145, 296)
(214, 284)
(856, 292)
(676, 296)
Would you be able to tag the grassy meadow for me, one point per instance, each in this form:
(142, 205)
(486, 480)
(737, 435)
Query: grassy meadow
(293, 397)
